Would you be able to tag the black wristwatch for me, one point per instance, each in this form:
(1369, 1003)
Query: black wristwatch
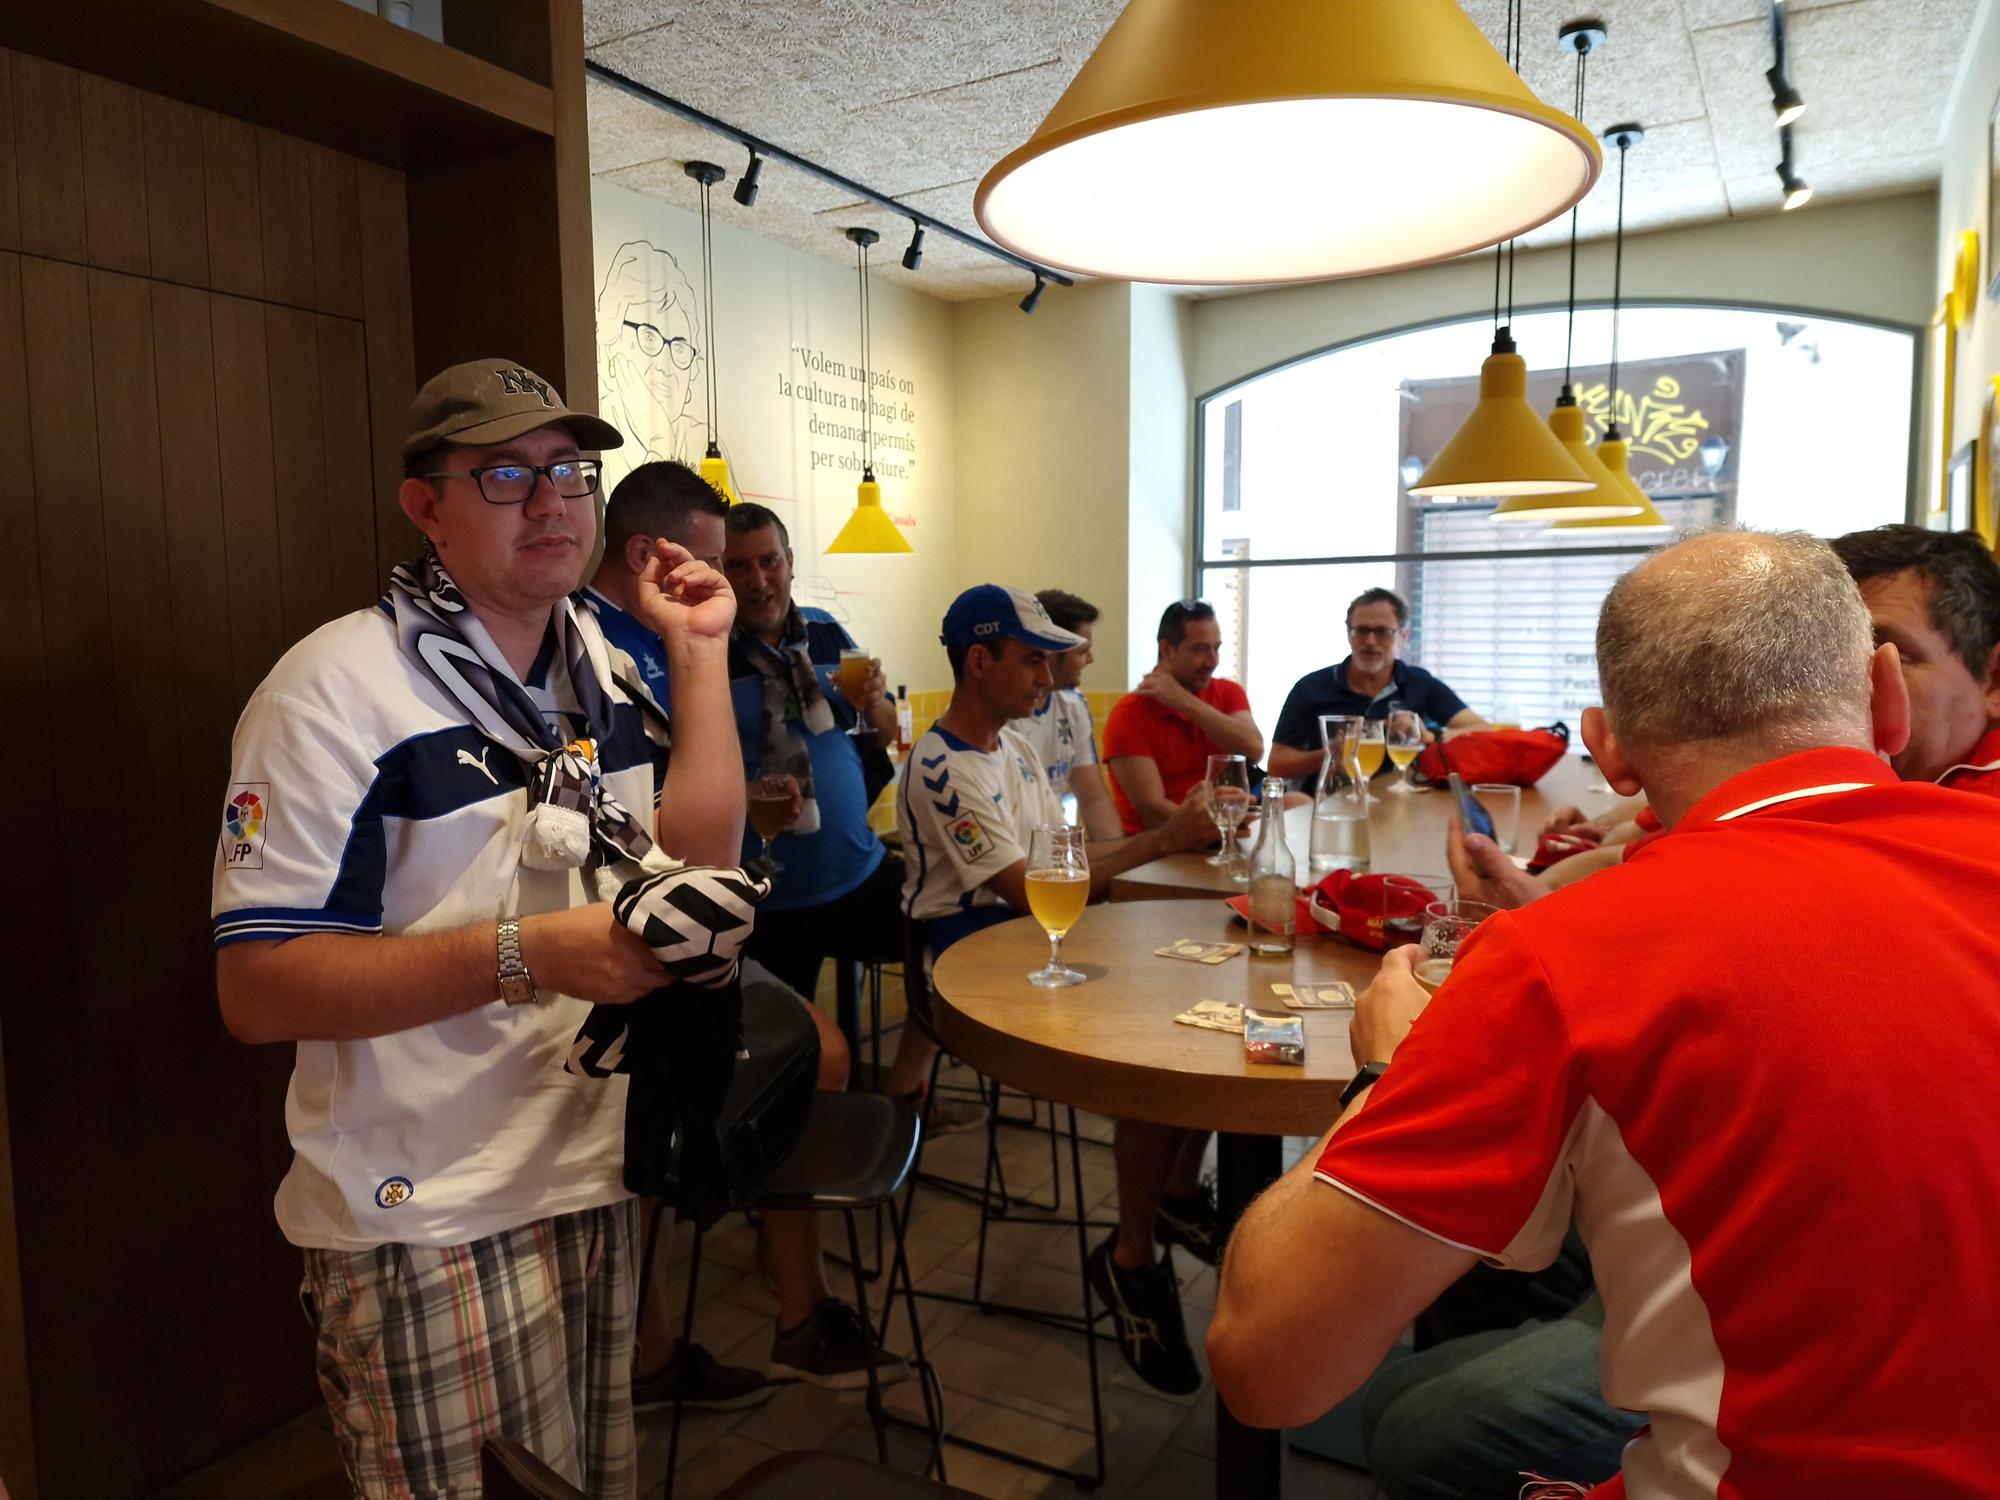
(1368, 1074)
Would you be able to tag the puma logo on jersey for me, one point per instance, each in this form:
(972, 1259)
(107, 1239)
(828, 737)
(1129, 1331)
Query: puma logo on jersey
(466, 758)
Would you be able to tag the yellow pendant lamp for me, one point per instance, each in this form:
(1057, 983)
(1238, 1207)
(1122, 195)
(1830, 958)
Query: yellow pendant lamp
(714, 467)
(1504, 448)
(869, 529)
(1614, 453)
(1269, 140)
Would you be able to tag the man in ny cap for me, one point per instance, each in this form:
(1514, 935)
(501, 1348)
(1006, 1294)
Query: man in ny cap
(973, 793)
(389, 895)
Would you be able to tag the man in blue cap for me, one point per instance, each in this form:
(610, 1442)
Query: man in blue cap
(973, 793)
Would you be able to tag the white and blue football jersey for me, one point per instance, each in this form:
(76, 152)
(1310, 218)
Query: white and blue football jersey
(1063, 736)
(361, 802)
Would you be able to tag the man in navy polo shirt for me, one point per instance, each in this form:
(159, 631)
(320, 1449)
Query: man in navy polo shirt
(1366, 684)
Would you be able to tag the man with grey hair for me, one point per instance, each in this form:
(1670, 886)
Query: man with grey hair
(1690, 1056)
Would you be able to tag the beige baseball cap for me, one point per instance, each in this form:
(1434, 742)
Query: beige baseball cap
(491, 400)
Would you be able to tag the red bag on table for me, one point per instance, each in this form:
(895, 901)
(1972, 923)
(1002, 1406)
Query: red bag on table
(1360, 907)
(1517, 757)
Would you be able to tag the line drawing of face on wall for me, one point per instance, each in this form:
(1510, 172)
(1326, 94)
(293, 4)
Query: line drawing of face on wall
(649, 352)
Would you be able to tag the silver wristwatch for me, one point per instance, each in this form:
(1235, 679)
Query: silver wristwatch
(517, 986)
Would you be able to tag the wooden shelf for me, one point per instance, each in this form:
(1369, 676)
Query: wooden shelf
(313, 68)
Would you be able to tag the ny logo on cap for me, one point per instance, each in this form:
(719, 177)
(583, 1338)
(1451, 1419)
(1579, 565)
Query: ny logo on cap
(525, 383)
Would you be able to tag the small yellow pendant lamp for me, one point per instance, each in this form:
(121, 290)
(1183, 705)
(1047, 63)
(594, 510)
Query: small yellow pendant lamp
(1504, 448)
(714, 467)
(869, 529)
(1182, 149)
(1614, 453)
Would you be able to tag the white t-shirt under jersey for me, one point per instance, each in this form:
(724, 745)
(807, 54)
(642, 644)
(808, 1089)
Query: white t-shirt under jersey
(965, 813)
(361, 802)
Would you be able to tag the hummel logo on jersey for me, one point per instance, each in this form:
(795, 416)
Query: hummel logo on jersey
(465, 758)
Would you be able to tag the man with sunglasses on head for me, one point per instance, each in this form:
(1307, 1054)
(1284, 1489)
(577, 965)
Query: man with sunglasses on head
(427, 798)
(1366, 685)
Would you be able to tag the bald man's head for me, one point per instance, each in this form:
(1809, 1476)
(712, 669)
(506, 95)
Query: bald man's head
(1734, 637)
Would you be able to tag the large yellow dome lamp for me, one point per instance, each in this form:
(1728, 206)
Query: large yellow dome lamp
(1614, 452)
(869, 529)
(714, 467)
(1270, 140)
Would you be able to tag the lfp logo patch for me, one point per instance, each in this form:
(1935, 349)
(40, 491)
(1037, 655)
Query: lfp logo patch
(245, 817)
(394, 1192)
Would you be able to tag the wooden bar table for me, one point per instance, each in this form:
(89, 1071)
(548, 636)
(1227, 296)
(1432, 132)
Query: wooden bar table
(1405, 834)
(1111, 1045)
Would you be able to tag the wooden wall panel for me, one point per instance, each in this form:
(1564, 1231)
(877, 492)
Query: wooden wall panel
(114, 175)
(235, 227)
(298, 454)
(48, 151)
(392, 365)
(249, 501)
(284, 199)
(10, 184)
(20, 560)
(343, 396)
(336, 233)
(176, 199)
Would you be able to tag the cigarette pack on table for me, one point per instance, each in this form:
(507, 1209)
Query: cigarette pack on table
(1274, 1037)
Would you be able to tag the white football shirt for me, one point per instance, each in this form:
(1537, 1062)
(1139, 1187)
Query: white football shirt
(362, 803)
(1063, 736)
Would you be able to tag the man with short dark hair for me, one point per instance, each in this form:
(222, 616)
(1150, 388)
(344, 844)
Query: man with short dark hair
(1669, 1085)
(659, 498)
(1158, 738)
(1061, 729)
(968, 808)
(1367, 684)
(396, 893)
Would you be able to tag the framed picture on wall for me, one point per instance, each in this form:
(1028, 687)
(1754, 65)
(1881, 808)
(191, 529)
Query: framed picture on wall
(1958, 487)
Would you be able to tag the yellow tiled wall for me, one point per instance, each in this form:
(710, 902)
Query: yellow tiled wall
(927, 703)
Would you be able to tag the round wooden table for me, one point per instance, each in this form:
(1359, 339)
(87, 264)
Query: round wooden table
(1111, 1045)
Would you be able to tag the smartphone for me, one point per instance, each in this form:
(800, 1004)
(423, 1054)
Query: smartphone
(1471, 816)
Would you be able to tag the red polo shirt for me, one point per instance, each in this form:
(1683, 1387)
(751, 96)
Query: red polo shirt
(1139, 726)
(1772, 1114)
(1981, 769)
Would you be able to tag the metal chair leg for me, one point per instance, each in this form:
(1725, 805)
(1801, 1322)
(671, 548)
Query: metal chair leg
(875, 1412)
(680, 1349)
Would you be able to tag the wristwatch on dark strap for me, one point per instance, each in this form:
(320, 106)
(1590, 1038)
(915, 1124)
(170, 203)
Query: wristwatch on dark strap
(517, 986)
(1368, 1074)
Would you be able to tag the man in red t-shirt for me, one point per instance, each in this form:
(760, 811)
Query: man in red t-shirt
(1160, 735)
(1744, 1122)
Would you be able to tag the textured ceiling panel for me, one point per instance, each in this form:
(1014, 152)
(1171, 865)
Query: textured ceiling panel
(918, 101)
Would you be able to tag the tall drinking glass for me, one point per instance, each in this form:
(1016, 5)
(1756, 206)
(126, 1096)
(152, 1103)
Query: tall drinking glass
(770, 805)
(1447, 924)
(1404, 730)
(1370, 748)
(855, 669)
(1058, 890)
(1229, 802)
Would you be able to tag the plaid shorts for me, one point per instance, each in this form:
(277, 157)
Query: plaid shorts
(425, 1352)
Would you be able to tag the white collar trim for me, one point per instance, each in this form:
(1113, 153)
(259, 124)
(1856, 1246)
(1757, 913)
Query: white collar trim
(1805, 791)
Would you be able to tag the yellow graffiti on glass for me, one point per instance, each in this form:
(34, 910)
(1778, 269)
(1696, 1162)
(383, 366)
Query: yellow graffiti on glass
(1057, 898)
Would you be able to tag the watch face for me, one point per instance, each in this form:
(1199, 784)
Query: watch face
(517, 989)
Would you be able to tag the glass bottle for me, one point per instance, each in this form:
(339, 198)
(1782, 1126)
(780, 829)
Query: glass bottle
(1340, 806)
(1274, 883)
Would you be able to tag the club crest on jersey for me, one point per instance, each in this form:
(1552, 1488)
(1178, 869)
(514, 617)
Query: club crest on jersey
(394, 1192)
(971, 838)
(246, 814)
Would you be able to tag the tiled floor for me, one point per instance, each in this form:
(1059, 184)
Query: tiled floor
(1012, 1384)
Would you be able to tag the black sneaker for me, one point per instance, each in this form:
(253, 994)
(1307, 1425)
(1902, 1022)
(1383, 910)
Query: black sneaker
(700, 1380)
(833, 1348)
(1145, 1304)
(1192, 1223)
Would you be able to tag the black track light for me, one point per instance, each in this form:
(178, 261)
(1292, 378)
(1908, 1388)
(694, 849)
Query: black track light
(1785, 100)
(1028, 302)
(746, 185)
(914, 256)
(1797, 193)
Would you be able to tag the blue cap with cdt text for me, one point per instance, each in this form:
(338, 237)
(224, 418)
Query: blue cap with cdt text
(987, 613)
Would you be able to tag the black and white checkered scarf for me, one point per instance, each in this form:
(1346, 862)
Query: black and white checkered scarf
(572, 811)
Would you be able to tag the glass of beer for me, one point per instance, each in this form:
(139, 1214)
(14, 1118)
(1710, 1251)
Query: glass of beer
(1370, 748)
(1058, 890)
(770, 801)
(855, 669)
(1229, 788)
(1404, 731)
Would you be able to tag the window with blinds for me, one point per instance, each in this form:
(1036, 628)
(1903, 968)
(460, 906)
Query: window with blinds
(1514, 634)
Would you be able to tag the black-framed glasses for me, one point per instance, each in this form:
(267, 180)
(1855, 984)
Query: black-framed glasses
(512, 484)
(652, 341)
(1374, 632)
